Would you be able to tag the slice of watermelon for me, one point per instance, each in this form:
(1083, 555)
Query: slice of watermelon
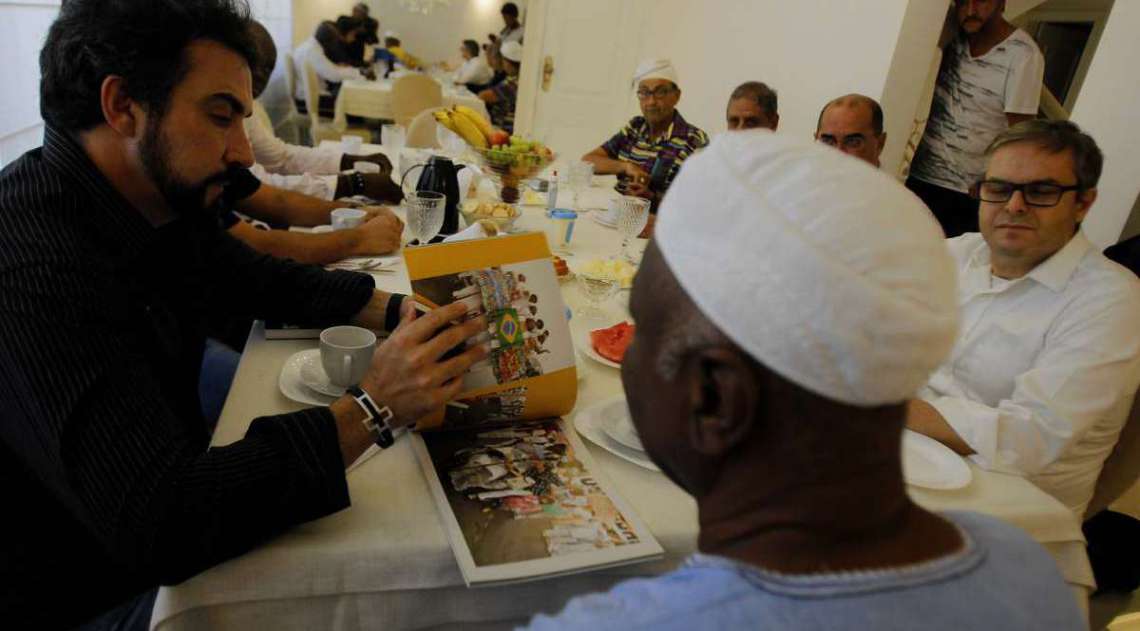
(612, 342)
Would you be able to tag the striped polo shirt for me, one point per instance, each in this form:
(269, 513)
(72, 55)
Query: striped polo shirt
(635, 143)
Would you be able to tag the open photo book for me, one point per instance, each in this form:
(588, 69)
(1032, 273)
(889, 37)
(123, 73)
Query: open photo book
(517, 492)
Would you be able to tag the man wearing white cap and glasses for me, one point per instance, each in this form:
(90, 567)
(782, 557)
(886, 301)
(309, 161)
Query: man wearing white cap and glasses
(647, 152)
(768, 378)
(501, 98)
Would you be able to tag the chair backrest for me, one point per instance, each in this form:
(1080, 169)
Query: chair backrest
(312, 97)
(290, 77)
(413, 94)
(421, 131)
(1122, 467)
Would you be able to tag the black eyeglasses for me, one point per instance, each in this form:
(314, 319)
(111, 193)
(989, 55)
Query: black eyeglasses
(660, 93)
(1043, 194)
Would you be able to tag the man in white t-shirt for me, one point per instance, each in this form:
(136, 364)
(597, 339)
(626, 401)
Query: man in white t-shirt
(474, 71)
(315, 52)
(990, 79)
(1047, 360)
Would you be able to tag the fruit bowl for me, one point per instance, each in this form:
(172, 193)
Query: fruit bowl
(508, 165)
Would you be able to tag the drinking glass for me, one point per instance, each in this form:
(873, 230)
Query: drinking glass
(579, 176)
(597, 289)
(393, 136)
(425, 214)
(633, 215)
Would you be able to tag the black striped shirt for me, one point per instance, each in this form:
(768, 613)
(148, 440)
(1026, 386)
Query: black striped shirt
(104, 459)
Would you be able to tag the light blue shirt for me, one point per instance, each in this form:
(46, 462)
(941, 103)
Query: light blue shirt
(1001, 579)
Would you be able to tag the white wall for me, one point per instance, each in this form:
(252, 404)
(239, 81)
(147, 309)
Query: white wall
(809, 51)
(432, 37)
(23, 25)
(1107, 109)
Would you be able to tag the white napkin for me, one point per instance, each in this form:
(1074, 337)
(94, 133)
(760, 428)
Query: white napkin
(474, 231)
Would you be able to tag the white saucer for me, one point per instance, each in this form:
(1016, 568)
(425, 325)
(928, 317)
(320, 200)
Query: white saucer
(616, 423)
(589, 422)
(930, 464)
(603, 218)
(313, 375)
(587, 349)
(293, 387)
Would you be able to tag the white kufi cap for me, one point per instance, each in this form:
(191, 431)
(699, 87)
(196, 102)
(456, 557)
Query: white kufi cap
(824, 269)
(655, 69)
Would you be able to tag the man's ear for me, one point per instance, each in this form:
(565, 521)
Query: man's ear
(1085, 200)
(775, 122)
(122, 113)
(882, 143)
(723, 399)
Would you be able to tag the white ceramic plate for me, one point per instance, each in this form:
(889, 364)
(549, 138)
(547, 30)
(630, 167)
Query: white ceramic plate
(603, 219)
(293, 387)
(930, 464)
(585, 348)
(588, 423)
(314, 376)
(617, 424)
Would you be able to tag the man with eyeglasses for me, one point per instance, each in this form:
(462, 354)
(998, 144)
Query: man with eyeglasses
(1047, 361)
(647, 153)
(853, 124)
(989, 80)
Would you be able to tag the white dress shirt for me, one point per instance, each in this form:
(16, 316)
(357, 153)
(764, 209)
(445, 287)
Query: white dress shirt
(1045, 367)
(474, 70)
(308, 170)
(310, 51)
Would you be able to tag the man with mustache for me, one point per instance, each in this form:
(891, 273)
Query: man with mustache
(647, 153)
(111, 262)
(990, 79)
(1047, 360)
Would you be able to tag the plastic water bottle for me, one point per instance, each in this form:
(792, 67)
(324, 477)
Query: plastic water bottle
(552, 194)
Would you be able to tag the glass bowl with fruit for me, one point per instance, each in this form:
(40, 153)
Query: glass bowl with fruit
(510, 162)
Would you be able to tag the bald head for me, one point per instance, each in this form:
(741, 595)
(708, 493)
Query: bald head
(853, 123)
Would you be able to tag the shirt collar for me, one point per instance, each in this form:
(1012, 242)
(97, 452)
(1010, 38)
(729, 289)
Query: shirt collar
(678, 128)
(1054, 272)
(105, 209)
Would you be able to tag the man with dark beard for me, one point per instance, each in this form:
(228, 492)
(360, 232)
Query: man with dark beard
(111, 260)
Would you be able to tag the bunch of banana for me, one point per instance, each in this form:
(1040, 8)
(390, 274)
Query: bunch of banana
(469, 124)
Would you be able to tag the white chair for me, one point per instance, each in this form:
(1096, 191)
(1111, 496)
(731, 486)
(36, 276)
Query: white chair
(1122, 467)
(294, 123)
(323, 128)
(422, 130)
(413, 94)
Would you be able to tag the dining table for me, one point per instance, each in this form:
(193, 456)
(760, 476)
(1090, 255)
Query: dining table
(373, 99)
(385, 562)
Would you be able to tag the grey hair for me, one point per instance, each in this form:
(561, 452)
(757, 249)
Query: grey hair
(1056, 136)
(759, 93)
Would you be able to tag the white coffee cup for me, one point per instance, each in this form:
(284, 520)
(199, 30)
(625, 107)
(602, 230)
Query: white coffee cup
(351, 144)
(346, 352)
(361, 166)
(345, 218)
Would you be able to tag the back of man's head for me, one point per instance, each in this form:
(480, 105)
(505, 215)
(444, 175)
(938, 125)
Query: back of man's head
(142, 41)
(828, 303)
(510, 9)
(472, 47)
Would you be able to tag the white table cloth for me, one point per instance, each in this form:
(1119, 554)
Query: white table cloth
(373, 99)
(385, 562)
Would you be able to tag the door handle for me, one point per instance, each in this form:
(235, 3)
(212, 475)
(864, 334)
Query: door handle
(547, 71)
